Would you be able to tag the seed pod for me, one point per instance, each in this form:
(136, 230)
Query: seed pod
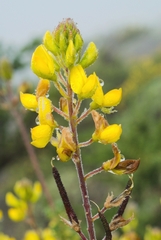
(69, 210)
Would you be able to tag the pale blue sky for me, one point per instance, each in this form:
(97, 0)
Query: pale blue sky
(20, 20)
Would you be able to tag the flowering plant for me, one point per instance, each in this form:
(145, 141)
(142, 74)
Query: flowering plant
(59, 62)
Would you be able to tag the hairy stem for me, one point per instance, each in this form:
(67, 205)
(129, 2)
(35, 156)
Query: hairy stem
(79, 167)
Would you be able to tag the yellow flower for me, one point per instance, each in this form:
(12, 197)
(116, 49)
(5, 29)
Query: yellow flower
(104, 132)
(19, 207)
(82, 85)
(11, 200)
(110, 134)
(41, 135)
(31, 235)
(16, 214)
(42, 63)
(110, 99)
(26, 191)
(29, 101)
(45, 109)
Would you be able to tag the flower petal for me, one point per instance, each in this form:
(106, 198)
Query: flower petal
(77, 78)
(98, 95)
(111, 134)
(42, 63)
(41, 135)
(112, 98)
(89, 87)
(29, 101)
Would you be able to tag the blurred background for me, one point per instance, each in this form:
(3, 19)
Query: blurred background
(128, 36)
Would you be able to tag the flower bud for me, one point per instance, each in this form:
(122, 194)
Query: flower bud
(63, 43)
(70, 54)
(50, 43)
(78, 42)
(42, 63)
(90, 55)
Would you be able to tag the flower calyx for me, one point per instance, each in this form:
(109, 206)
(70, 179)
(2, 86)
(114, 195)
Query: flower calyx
(65, 146)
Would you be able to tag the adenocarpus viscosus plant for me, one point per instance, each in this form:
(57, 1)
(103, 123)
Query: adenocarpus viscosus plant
(60, 63)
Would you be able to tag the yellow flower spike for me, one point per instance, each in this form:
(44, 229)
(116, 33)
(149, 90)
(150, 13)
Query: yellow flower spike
(42, 63)
(50, 44)
(77, 78)
(29, 101)
(37, 191)
(90, 55)
(112, 98)
(70, 54)
(11, 200)
(41, 135)
(42, 88)
(31, 235)
(17, 214)
(45, 109)
(110, 134)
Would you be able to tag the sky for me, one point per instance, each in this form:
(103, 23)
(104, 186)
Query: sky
(22, 20)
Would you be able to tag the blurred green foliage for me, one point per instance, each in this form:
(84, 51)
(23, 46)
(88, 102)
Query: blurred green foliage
(139, 114)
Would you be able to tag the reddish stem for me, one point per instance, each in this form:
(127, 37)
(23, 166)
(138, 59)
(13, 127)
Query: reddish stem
(79, 167)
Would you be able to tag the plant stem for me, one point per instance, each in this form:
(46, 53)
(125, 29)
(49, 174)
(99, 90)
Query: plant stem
(79, 167)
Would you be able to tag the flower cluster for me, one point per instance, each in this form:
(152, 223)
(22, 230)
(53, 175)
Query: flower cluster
(26, 194)
(59, 60)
